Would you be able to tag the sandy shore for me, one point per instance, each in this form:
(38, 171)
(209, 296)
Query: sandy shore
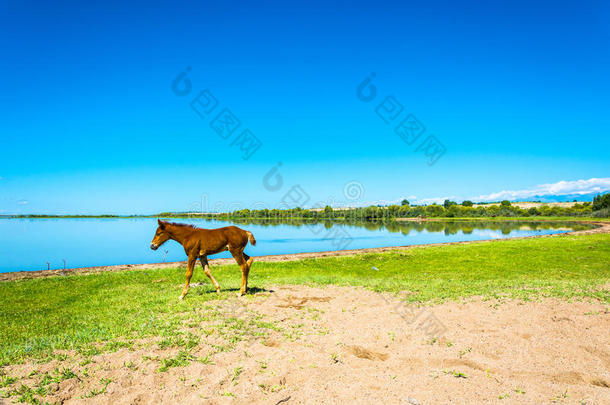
(350, 345)
(600, 227)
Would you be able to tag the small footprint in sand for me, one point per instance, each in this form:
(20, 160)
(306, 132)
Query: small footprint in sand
(363, 353)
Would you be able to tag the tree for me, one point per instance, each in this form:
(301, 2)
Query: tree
(448, 203)
(454, 211)
(371, 212)
(493, 211)
(601, 202)
(435, 210)
(405, 202)
(393, 211)
(505, 203)
(467, 203)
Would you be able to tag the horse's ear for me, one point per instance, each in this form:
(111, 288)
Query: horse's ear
(161, 223)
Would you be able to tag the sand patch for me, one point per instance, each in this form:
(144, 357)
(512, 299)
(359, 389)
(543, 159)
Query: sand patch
(344, 344)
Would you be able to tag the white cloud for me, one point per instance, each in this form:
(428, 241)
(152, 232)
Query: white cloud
(428, 201)
(581, 187)
(22, 202)
(578, 187)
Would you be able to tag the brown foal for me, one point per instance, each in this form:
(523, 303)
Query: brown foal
(199, 243)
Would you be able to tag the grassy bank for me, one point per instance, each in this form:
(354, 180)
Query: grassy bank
(39, 315)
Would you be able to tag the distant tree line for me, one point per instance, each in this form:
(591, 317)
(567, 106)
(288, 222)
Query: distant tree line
(449, 209)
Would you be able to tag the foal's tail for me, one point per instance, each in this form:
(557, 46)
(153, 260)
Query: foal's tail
(251, 238)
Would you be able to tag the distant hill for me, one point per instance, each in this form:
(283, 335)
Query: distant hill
(560, 198)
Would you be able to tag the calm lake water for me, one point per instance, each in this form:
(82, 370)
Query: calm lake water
(28, 244)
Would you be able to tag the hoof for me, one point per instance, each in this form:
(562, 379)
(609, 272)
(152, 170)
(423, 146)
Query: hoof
(239, 294)
(181, 297)
(218, 290)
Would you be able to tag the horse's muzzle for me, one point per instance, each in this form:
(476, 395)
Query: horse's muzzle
(153, 246)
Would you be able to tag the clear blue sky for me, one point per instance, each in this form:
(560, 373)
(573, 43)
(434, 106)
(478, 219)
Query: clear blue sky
(517, 92)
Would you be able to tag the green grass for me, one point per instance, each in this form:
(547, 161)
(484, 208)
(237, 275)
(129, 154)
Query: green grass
(183, 358)
(38, 316)
(104, 384)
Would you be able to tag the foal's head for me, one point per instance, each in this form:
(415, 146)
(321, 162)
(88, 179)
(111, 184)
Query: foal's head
(161, 236)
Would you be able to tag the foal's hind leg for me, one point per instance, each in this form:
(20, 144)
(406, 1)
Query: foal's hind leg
(249, 261)
(238, 255)
(206, 269)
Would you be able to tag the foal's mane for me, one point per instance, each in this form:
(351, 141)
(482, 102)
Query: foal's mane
(180, 225)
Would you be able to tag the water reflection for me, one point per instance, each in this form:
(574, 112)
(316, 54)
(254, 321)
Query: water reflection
(448, 227)
(28, 244)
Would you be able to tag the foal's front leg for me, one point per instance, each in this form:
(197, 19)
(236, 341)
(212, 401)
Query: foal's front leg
(206, 269)
(189, 273)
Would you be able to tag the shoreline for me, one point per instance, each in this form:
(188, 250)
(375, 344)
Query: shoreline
(600, 227)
